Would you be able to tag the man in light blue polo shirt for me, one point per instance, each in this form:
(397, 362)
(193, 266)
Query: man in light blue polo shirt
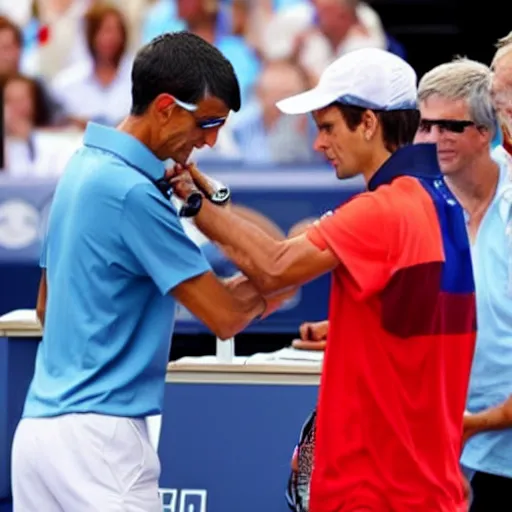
(457, 113)
(115, 261)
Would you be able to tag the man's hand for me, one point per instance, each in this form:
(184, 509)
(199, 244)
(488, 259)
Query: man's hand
(273, 302)
(313, 336)
(314, 331)
(494, 418)
(187, 179)
(181, 181)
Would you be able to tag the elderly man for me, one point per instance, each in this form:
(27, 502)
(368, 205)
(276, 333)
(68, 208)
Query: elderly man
(457, 113)
(402, 310)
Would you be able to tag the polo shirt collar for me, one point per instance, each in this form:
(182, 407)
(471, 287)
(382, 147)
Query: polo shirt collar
(417, 160)
(127, 148)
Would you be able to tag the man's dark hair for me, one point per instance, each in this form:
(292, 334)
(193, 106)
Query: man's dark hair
(398, 126)
(185, 66)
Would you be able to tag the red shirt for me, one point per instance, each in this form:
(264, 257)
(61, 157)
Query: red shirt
(399, 351)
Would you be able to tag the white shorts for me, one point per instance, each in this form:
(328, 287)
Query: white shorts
(84, 462)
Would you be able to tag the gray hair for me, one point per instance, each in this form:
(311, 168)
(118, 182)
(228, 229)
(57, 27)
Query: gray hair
(503, 46)
(463, 79)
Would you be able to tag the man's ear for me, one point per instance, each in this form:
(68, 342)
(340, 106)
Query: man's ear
(163, 105)
(370, 124)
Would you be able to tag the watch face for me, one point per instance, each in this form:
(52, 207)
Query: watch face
(192, 205)
(221, 196)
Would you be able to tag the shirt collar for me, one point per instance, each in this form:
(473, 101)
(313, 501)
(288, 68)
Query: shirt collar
(418, 160)
(127, 148)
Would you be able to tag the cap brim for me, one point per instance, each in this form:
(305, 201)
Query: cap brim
(305, 102)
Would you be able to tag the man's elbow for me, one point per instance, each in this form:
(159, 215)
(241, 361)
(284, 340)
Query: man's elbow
(272, 280)
(237, 318)
(227, 332)
(229, 327)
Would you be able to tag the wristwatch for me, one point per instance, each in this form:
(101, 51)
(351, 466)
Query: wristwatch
(192, 205)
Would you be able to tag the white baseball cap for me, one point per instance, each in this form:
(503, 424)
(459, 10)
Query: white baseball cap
(370, 78)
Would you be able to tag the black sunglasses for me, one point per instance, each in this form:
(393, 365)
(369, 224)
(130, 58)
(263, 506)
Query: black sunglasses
(445, 125)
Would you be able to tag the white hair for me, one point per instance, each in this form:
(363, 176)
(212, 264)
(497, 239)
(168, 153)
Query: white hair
(462, 79)
(503, 46)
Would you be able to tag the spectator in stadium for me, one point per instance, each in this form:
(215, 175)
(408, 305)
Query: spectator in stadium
(263, 133)
(11, 43)
(316, 32)
(211, 20)
(457, 114)
(98, 89)
(29, 151)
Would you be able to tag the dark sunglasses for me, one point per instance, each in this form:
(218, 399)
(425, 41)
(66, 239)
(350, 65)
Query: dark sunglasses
(445, 125)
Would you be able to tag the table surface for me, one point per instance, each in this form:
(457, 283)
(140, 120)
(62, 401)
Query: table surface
(306, 371)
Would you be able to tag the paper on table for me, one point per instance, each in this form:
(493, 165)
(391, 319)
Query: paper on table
(287, 355)
(206, 360)
(20, 319)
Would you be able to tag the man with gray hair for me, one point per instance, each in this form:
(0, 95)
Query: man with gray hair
(457, 113)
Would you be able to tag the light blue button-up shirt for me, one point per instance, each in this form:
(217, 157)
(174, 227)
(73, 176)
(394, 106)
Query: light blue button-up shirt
(491, 375)
(114, 250)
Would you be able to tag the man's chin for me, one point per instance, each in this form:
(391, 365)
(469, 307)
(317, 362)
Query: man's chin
(343, 174)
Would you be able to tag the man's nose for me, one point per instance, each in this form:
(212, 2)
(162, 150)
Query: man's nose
(210, 137)
(320, 143)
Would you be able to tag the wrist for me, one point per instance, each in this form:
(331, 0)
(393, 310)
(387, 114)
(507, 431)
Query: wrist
(192, 205)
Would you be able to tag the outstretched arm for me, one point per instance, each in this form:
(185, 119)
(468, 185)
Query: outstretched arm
(272, 265)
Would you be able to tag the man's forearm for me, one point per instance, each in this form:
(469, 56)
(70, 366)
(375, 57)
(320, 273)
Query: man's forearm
(254, 252)
(494, 418)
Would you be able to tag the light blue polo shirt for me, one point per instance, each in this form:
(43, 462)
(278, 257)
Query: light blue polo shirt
(491, 374)
(114, 250)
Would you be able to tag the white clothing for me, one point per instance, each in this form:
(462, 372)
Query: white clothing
(84, 463)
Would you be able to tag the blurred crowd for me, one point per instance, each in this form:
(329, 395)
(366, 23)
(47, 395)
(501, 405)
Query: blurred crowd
(65, 62)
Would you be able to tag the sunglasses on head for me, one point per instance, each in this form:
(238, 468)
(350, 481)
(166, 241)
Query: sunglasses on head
(204, 124)
(445, 125)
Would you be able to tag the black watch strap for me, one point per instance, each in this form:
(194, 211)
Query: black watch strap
(192, 205)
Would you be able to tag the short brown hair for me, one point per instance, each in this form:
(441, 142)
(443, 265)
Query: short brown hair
(94, 18)
(398, 126)
(7, 24)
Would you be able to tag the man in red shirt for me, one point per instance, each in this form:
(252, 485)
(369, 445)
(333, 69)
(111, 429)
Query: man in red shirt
(402, 309)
